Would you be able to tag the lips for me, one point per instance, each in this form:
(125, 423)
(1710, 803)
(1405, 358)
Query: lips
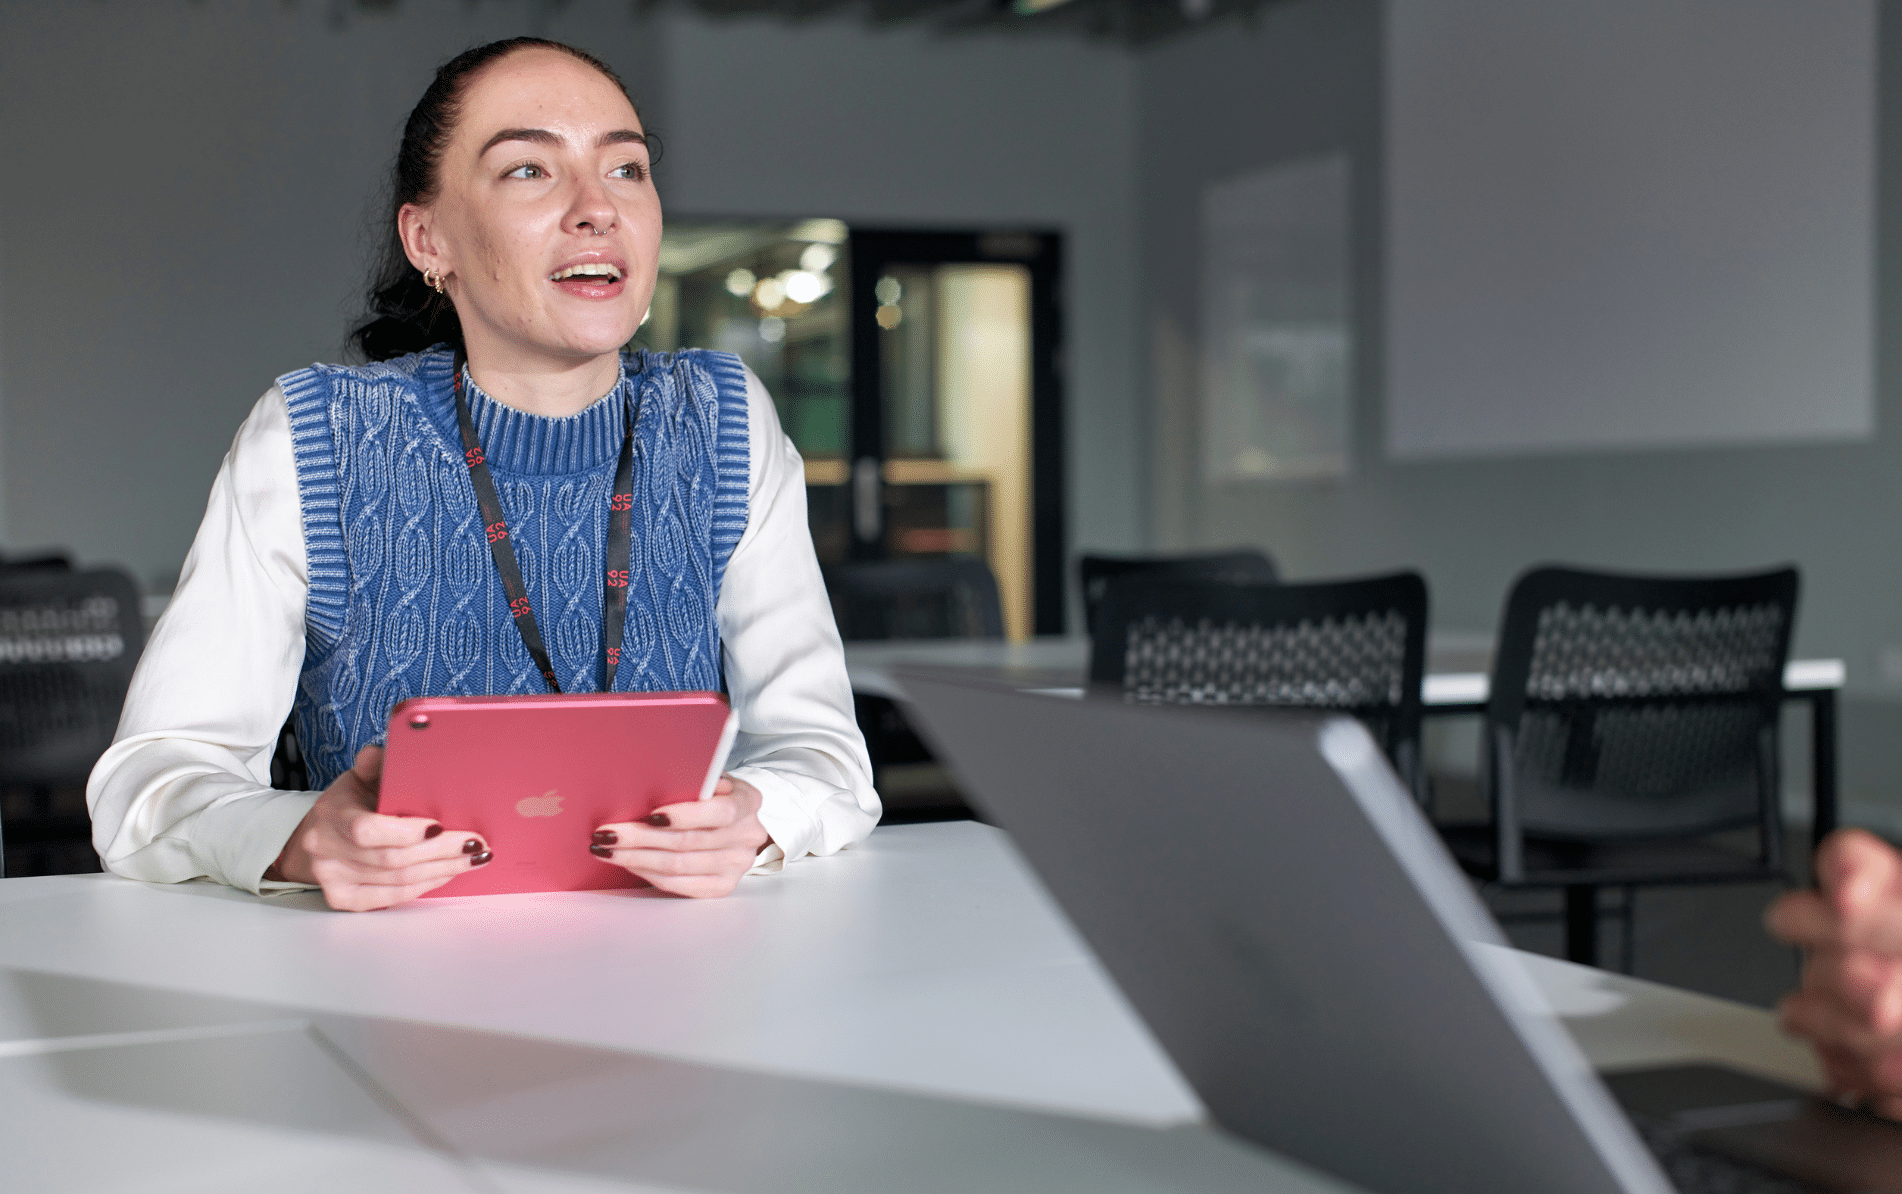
(590, 279)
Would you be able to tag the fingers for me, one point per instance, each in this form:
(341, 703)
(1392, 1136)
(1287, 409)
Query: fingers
(369, 766)
(432, 871)
(363, 830)
(698, 848)
(1858, 904)
(715, 812)
(1802, 918)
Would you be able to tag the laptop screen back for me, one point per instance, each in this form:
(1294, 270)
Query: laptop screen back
(1283, 918)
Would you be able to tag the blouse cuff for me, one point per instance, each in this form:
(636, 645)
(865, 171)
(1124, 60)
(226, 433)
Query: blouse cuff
(237, 839)
(781, 815)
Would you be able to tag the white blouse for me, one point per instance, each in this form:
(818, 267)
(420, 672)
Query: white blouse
(184, 791)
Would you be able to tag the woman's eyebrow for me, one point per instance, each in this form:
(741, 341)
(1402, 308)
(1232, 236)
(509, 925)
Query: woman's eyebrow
(544, 137)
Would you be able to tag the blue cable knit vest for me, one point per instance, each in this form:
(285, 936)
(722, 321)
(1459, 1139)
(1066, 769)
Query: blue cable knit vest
(404, 598)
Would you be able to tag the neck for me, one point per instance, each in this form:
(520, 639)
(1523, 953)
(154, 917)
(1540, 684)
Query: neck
(552, 389)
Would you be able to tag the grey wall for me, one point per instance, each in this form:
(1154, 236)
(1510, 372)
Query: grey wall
(185, 223)
(187, 215)
(1308, 80)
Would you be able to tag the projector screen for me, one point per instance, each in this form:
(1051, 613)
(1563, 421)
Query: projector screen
(1628, 224)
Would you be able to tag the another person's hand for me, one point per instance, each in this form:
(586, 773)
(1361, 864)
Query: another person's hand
(1850, 1004)
(364, 859)
(697, 848)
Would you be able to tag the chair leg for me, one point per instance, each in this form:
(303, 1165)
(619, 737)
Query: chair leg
(1581, 925)
(1628, 947)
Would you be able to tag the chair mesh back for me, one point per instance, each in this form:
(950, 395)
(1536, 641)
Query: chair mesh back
(1353, 646)
(1352, 662)
(930, 597)
(68, 643)
(1229, 567)
(1646, 712)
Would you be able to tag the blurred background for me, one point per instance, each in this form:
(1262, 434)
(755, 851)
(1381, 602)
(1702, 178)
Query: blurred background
(993, 260)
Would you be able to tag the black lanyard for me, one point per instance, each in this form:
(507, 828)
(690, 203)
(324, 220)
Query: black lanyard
(495, 524)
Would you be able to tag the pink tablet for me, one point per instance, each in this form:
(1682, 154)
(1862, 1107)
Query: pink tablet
(534, 775)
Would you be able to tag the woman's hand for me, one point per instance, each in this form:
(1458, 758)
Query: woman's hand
(364, 859)
(697, 848)
(1850, 1004)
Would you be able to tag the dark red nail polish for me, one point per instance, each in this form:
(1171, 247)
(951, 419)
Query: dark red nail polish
(657, 820)
(481, 858)
(600, 851)
(606, 837)
(432, 831)
(472, 845)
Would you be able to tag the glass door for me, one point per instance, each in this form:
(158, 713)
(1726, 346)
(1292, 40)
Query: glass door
(955, 422)
(916, 374)
(774, 294)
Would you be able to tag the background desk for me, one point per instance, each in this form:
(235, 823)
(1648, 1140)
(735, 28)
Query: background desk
(911, 1014)
(1455, 684)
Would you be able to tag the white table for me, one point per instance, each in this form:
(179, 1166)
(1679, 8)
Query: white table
(1456, 674)
(1456, 683)
(912, 1014)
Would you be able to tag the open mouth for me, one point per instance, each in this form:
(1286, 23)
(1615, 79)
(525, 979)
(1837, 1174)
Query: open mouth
(590, 279)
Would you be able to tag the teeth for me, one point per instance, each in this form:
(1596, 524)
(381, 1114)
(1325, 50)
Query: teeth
(600, 269)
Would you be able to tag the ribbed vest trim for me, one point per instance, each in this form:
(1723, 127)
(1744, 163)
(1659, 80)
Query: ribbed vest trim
(320, 400)
(307, 394)
(731, 461)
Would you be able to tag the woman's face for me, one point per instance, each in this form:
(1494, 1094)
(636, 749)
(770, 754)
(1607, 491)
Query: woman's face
(545, 221)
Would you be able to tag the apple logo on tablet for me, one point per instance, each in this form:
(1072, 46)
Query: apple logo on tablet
(546, 805)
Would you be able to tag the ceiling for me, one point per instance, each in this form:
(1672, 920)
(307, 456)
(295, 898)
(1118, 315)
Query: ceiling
(1129, 22)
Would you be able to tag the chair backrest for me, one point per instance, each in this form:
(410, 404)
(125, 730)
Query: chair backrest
(1358, 646)
(1638, 706)
(50, 560)
(1242, 566)
(68, 644)
(916, 597)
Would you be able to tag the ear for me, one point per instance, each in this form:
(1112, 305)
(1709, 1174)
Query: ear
(416, 226)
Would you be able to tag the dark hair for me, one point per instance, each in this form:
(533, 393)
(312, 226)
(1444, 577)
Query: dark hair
(404, 314)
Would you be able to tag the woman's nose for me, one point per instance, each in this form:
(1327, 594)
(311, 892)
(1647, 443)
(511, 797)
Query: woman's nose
(593, 210)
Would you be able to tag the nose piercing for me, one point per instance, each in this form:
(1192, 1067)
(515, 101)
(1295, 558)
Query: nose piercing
(597, 231)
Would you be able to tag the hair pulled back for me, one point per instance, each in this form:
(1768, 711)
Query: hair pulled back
(404, 314)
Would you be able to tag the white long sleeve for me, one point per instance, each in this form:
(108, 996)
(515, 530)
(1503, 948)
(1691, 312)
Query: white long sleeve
(184, 791)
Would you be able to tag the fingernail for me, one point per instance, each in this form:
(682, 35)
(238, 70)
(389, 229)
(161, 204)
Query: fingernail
(481, 858)
(657, 820)
(432, 831)
(606, 837)
(600, 851)
(472, 845)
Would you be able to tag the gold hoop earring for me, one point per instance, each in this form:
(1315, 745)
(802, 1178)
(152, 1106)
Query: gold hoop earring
(434, 281)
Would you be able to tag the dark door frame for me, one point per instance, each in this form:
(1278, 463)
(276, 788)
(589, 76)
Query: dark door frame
(871, 251)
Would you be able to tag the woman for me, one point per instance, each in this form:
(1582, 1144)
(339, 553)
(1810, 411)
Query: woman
(343, 564)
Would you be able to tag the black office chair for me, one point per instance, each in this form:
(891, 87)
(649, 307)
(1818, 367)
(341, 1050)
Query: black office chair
(1631, 738)
(68, 644)
(45, 561)
(1242, 566)
(915, 597)
(1358, 646)
(912, 598)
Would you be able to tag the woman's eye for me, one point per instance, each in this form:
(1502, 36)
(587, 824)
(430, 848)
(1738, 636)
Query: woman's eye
(527, 170)
(631, 170)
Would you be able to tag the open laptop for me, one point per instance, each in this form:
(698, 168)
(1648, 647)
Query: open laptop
(1285, 920)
